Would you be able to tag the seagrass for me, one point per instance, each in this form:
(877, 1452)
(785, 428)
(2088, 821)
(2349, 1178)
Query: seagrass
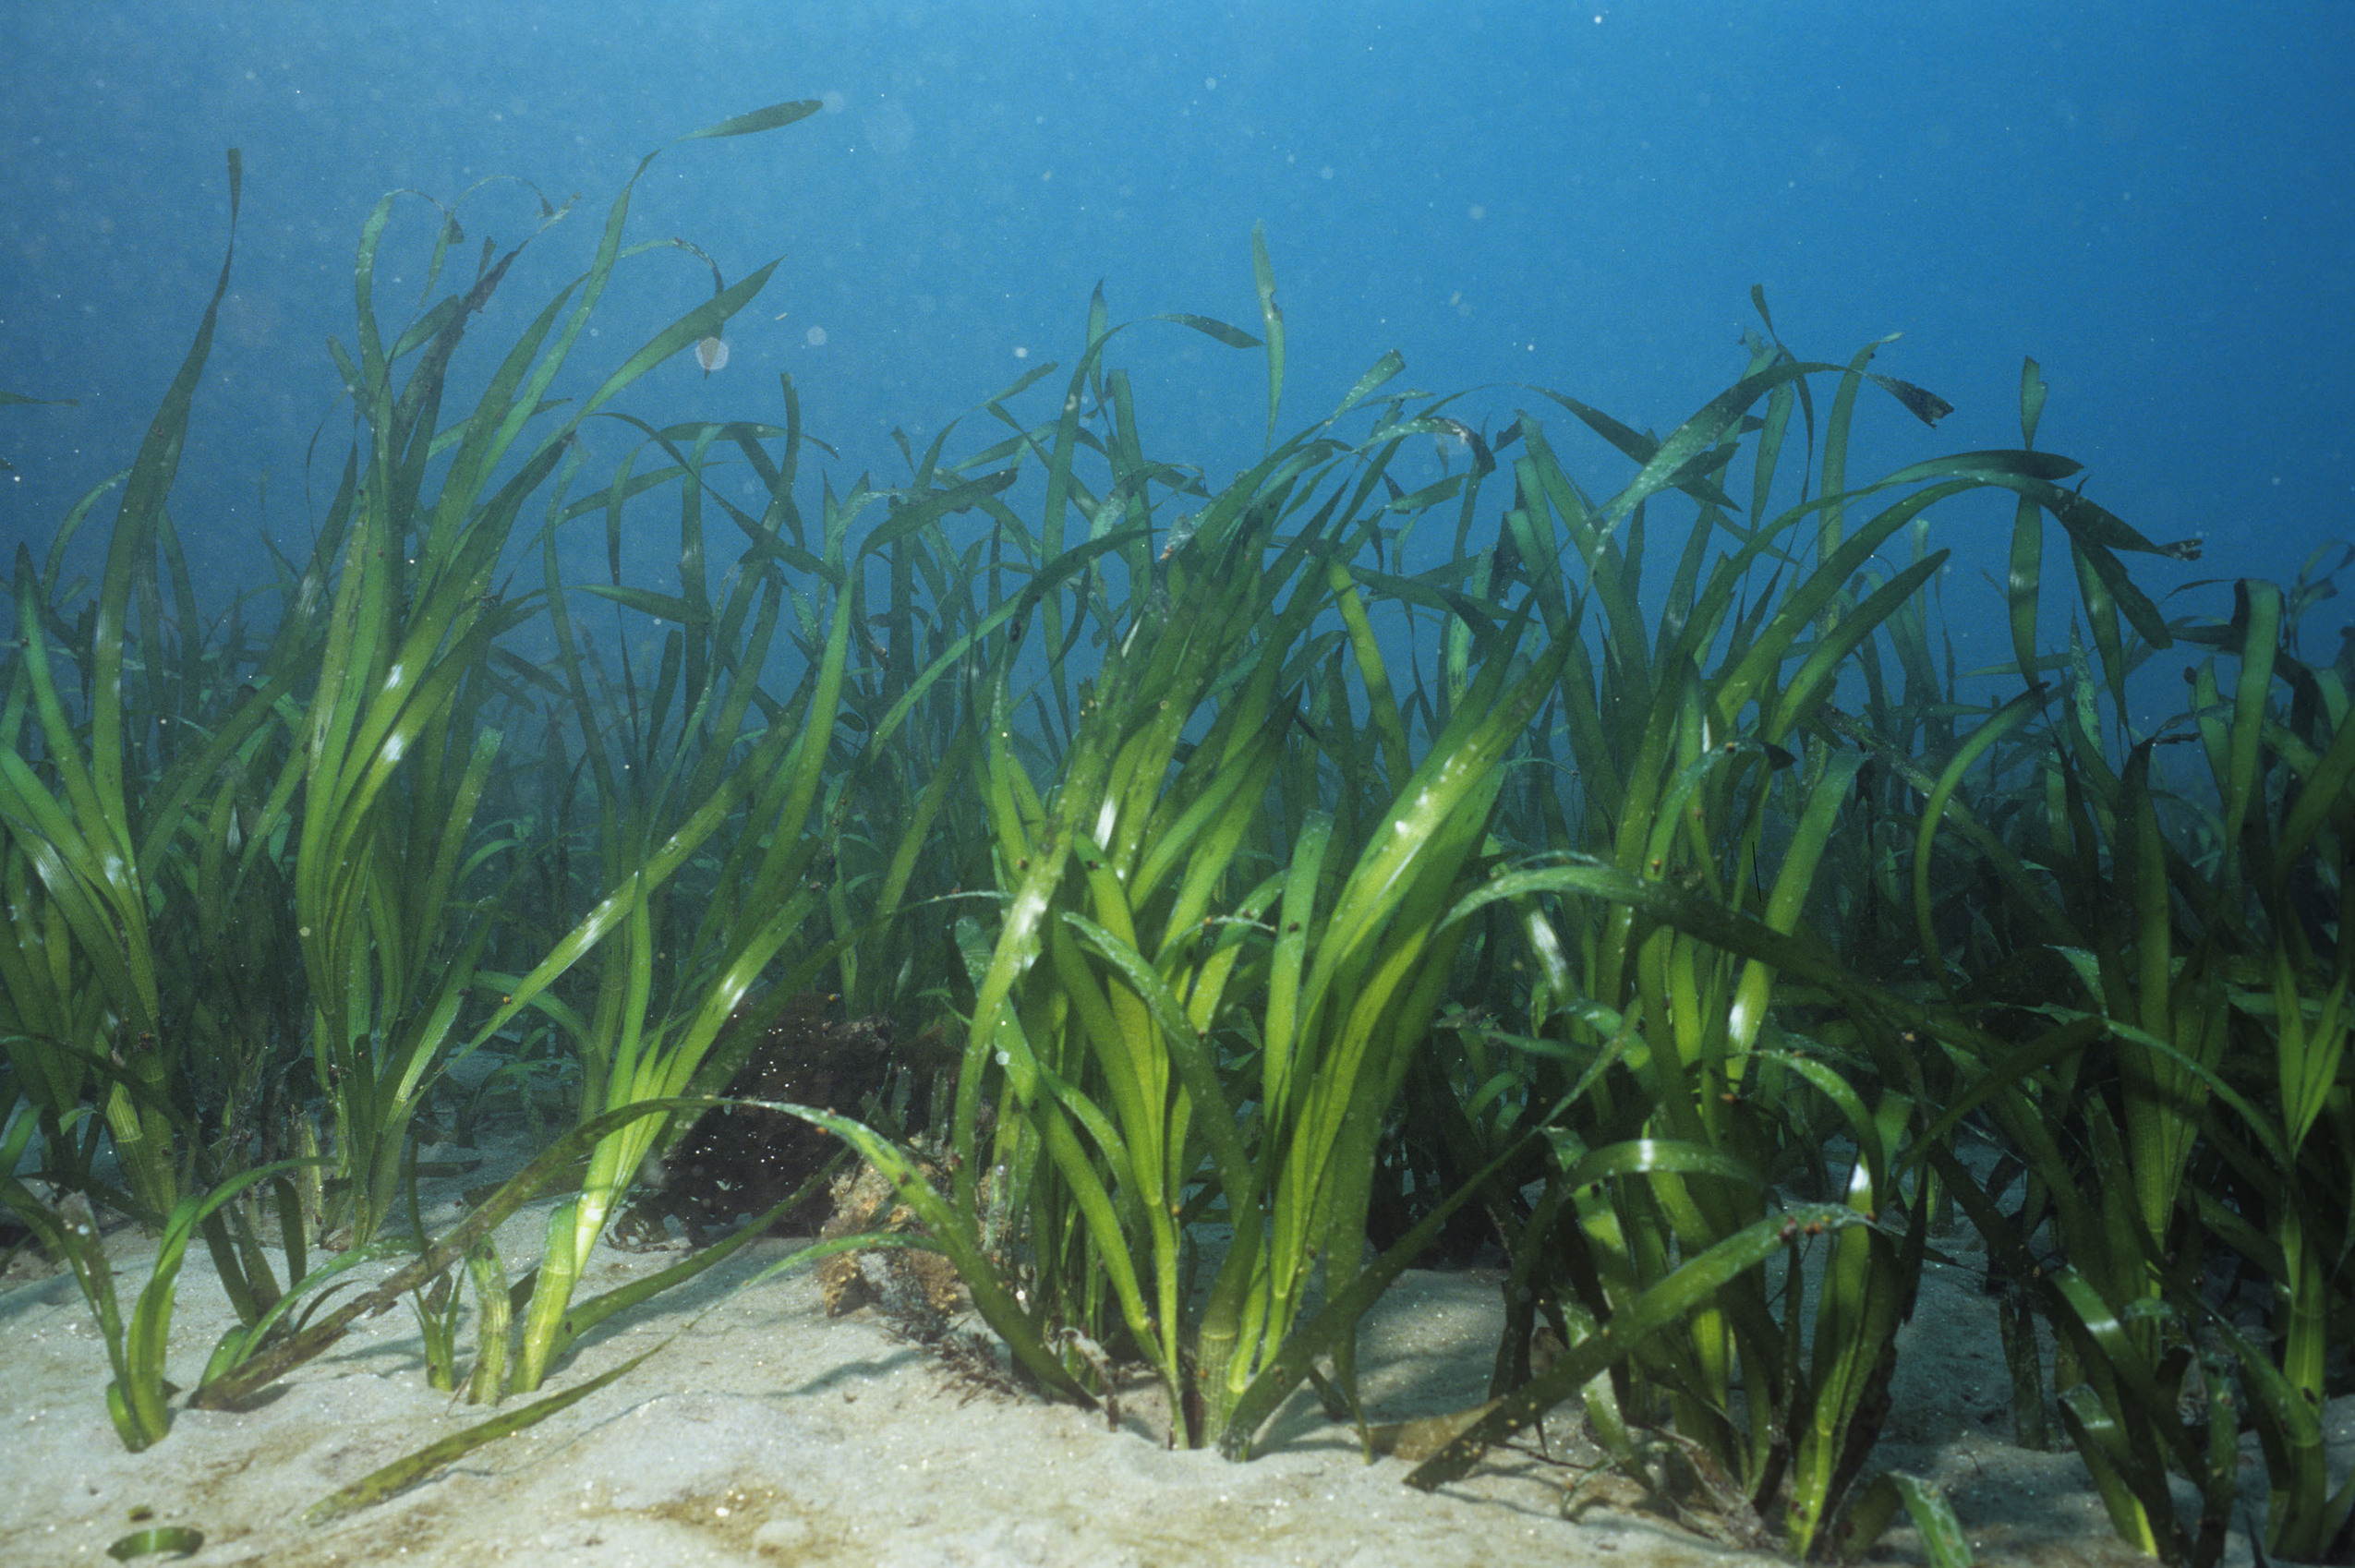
(1667, 925)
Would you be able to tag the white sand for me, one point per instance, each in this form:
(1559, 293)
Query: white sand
(769, 1434)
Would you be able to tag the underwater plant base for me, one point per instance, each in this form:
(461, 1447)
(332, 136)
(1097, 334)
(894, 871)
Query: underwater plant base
(770, 1434)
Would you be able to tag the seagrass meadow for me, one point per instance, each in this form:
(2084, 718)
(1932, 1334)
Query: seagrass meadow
(1641, 904)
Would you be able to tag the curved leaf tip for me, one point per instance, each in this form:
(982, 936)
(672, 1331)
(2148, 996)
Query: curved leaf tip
(775, 114)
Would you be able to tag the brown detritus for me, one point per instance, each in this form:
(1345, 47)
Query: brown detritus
(972, 1363)
(915, 1289)
(740, 1159)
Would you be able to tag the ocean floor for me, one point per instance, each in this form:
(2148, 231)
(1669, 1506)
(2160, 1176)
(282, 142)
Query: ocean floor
(767, 1433)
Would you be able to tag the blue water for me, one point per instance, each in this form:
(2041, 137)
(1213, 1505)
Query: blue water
(2153, 199)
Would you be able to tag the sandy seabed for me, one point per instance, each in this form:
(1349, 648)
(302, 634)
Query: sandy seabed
(767, 1433)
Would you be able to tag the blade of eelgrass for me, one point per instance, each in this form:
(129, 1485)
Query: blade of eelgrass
(494, 1320)
(410, 1469)
(700, 322)
(81, 852)
(1389, 730)
(1947, 476)
(2324, 793)
(1039, 590)
(406, 1472)
(1388, 906)
(134, 539)
(2021, 583)
(1544, 486)
(2002, 722)
(1867, 1286)
(1943, 1537)
(2125, 1421)
(1296, 1358)
(581, 1316)
(135, 1396)
(2022, 580)
(68, 1231)
(1685, 1290)
(1824, 661)
(1190, 1054)
(2020, 884)
(767, 118)
(1697, 436)
(180, 1540)
(239, 1343)
(1793, 953)
(2303, 1514)
(765, 762)
(1456, 763)
(1835, 448)
(82, 847)
(1272, 320)
(956, 1239)
(544, 1170)
(1022, 936)
(1795, 879)
(2100, 599)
